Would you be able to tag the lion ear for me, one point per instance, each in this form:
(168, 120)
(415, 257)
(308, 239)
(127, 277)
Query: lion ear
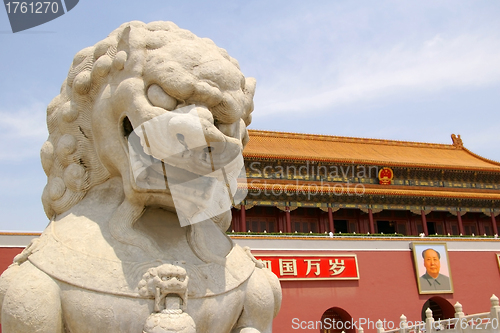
(123, 39)
(250, 84)
(249, 92)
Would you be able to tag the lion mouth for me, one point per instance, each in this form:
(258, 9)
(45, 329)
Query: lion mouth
(184, 155)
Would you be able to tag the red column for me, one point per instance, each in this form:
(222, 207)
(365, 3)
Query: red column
(243, 219)
(358, 222)
(460, 224)
(320, 222)
(478, 226)
(330, 220)
(235, 220)
(372, 224)
(411, 225)
(424, 223)
(281, 223)
(445, 227)
(494, 224)
(288, 220)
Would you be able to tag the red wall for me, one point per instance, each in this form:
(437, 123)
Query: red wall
(387, 288)
(6, 256)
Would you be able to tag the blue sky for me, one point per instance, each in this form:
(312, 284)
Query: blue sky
(415, 71)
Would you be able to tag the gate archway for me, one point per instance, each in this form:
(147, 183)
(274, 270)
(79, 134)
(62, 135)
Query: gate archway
(336, 320)
(440, 307)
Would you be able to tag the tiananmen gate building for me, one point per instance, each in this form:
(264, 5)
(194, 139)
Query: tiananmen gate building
(349, 224)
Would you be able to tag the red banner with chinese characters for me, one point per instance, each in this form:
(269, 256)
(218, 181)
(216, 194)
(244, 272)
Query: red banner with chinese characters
(315, 267)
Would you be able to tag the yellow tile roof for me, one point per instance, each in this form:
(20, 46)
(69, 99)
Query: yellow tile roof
(335, 149)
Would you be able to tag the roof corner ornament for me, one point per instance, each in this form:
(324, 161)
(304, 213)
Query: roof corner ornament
(457, 141)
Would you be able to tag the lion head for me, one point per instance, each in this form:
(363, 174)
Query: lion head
(141, 73)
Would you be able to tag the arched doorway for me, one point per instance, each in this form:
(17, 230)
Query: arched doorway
(441, 308)
(336, 320)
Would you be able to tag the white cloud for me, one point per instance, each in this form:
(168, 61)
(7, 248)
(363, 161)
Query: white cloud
(436, 64)
(22, 132)
(485, 142)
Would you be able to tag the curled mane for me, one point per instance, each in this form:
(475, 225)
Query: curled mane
(69, 156)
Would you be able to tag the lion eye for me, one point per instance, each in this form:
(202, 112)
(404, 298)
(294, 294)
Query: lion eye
(158, 97)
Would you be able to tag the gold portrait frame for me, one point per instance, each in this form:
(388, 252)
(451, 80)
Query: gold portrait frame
(443, 284)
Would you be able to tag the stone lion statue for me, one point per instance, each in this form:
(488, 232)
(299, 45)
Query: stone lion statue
(142, 162)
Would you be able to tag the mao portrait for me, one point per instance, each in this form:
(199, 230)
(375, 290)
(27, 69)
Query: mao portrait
(432, 268)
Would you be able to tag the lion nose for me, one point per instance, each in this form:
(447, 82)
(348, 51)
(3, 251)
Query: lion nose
(197, 133)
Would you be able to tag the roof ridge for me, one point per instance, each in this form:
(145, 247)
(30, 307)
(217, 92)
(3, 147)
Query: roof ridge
(480, 157)
(334, 138)
(372, 162)
(20, 233)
